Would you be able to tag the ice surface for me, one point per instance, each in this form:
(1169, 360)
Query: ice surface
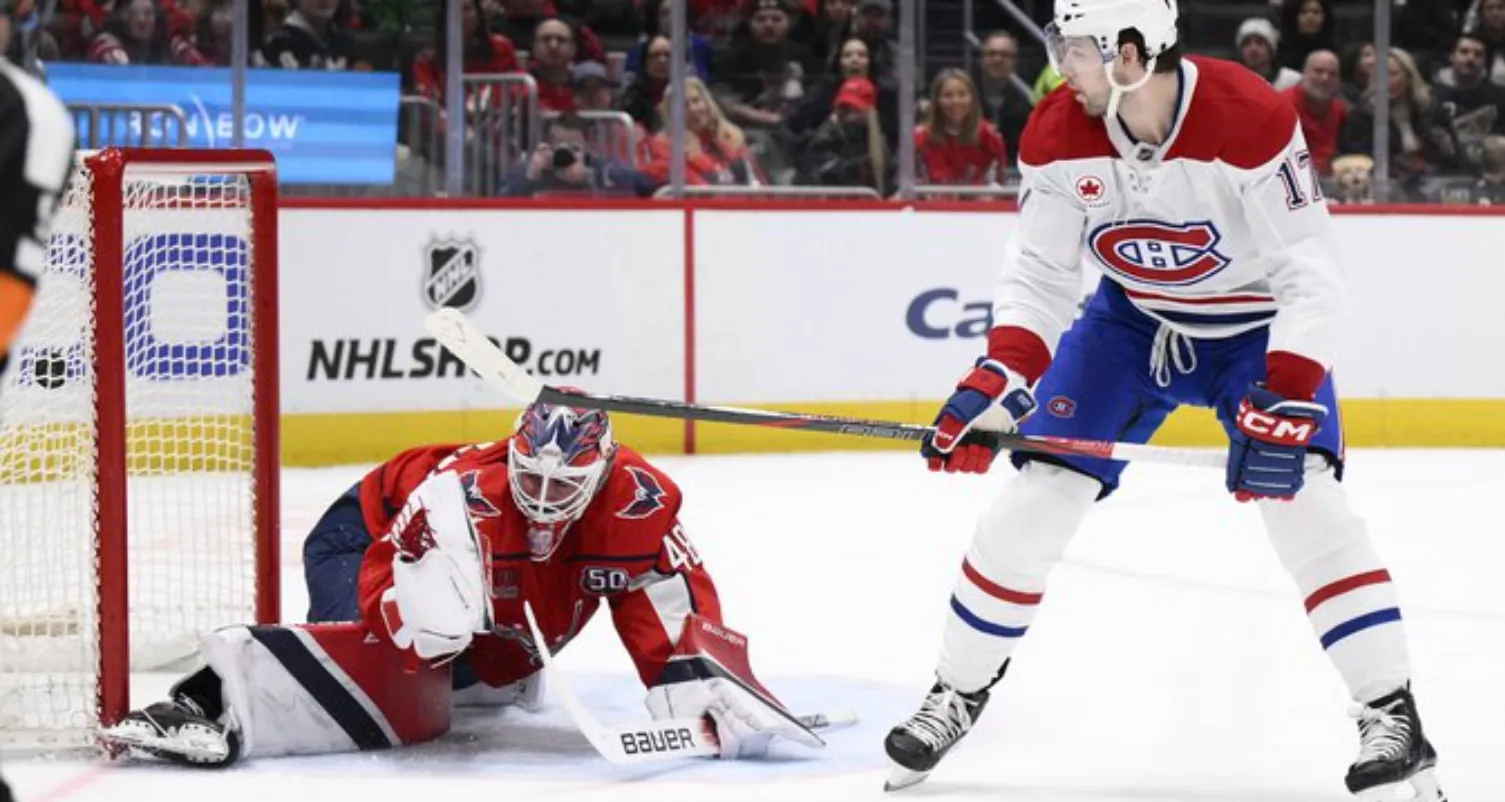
(1170, 662)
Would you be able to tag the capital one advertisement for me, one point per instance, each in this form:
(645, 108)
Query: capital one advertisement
(893, 307)
(323, 127)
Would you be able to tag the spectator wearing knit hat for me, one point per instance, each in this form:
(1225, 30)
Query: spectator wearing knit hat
(1257, 41)
(955, 144)
(848, 149)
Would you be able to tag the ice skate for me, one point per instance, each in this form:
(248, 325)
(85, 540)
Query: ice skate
(1395, 763)
(176, 731)
(917, 745)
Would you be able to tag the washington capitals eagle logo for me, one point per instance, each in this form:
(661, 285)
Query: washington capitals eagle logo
(1155, 252)
(647, 499)
(475, 499)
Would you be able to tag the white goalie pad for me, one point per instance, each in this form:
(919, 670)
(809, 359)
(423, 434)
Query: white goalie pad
(321, 690)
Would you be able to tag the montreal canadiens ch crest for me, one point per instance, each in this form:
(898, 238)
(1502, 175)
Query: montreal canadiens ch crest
(1156, 252)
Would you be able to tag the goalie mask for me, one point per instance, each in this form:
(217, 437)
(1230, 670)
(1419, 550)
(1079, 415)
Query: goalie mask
(557, 460)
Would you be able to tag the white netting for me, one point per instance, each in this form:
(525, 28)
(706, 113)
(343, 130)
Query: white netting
(189, 439)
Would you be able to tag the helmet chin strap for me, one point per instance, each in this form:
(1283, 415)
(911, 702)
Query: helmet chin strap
(1117, 91)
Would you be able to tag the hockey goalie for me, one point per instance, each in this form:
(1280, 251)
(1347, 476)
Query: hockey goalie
(417, 578)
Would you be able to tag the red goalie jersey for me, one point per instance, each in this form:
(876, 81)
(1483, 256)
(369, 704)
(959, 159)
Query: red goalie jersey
(626, 546)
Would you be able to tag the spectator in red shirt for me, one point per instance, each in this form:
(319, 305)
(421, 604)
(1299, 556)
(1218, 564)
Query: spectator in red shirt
(716, 150)
(136, 32)
(553, 53)
(955, 144)
(1321, 111)
(485, 52)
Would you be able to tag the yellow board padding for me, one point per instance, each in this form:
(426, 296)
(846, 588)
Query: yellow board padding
(222, 443)
(1368, 422)
(335, 439)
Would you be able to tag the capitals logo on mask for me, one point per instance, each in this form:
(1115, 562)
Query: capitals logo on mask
(1155, 252)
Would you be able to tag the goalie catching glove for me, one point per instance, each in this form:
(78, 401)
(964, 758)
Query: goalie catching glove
(438, 600)
(709, 677)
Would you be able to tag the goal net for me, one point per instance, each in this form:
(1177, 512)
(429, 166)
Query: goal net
(138, 435)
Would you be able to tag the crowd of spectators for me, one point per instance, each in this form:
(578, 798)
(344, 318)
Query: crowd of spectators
(806, 91)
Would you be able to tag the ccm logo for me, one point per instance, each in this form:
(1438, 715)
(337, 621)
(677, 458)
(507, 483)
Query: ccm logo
(645, 742)
(1275, 429)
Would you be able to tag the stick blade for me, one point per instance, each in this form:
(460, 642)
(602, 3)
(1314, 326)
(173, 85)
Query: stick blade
(623, 746)
(457, 332)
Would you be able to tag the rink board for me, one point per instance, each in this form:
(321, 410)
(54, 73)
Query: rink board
(867, 310)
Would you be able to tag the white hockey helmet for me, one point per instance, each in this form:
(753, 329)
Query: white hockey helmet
(557, 460)
(1084, 30)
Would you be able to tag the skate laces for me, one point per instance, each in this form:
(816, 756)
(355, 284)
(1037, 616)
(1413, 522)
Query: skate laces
(943, 718)
(1171, 347)
(1383, 734)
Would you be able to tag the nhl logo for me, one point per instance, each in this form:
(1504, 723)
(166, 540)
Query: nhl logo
(453, 275)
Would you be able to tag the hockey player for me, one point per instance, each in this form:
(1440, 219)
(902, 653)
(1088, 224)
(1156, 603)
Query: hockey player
(1188, 183)
(433, 555)
(36, 156)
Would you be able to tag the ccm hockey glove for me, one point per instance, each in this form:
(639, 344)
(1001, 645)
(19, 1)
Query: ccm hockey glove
(1267, 452)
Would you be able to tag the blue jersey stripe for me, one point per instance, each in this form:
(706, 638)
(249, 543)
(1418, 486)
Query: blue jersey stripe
(1192, 318)
(1359, 624)
(982, 626)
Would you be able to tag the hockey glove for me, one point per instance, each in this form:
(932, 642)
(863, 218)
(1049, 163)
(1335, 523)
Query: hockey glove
(990, 398)
(709, 678)
(440, 575)
(1267, 452)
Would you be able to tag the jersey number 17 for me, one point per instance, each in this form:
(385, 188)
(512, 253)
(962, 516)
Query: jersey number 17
(1291, 172)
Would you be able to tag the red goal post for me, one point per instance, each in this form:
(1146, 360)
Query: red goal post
(139, 452)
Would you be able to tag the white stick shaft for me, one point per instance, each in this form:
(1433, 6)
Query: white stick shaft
(1194, 457)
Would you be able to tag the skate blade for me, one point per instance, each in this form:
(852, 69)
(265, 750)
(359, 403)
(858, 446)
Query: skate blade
(900, 778)
(1420, 787)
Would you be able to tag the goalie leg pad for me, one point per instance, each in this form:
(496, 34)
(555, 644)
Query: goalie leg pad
(324, 688)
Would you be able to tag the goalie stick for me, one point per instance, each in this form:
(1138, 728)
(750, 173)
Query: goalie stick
(656, 740)
(458, 333)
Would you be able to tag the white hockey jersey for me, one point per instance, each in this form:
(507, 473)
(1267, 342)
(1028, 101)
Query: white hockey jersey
(1219, 230)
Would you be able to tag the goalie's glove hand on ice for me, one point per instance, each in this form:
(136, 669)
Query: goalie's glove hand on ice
(742, 724)
(438, 599)
(1267, 452)
(991, 398)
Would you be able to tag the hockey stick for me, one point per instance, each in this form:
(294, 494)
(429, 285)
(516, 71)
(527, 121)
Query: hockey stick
(457, 332)
(656, 740)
